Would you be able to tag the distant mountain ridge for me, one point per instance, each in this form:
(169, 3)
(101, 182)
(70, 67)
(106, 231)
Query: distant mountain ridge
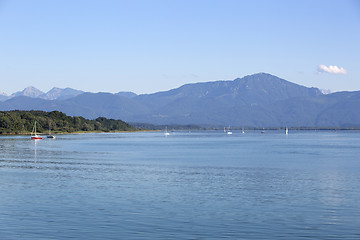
(61, 93)
(53, 94)
(258, 100)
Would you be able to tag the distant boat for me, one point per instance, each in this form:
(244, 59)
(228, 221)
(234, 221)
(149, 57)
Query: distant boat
(34, 136)
(49, 135)
(286, 131)
(166, 133)
(228, 131)
(243, 130)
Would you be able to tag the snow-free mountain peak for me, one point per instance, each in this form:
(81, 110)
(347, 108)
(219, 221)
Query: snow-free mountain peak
(28, 92)
(54, 93)
(61, 93)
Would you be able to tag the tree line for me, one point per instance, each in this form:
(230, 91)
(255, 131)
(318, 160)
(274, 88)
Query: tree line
(22, 122)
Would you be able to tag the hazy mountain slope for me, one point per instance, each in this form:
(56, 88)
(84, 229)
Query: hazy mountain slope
(28, 103)
(343, 109)
(61, 93)
(107, 104)
(28, 92)
(126, 94)
(3, 96)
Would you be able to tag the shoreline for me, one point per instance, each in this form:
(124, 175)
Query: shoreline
(182, 130)
(77, 132)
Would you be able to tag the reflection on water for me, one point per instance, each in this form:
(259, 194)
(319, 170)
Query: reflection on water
(35, 153)
(199, 185)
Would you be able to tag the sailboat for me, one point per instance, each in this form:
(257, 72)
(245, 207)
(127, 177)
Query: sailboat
(243, 131)
(228, 131)
(286, 131)
(49, 135)
(34, 136)
(166, 133)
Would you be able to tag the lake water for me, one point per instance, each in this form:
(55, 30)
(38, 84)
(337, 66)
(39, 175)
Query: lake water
(189, 185)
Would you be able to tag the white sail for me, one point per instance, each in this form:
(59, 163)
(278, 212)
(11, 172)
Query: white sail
(228, 131)
(166, 133)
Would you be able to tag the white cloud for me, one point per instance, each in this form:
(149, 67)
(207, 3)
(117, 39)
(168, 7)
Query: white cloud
(331, 69)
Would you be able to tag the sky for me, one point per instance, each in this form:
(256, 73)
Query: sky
(146, 46)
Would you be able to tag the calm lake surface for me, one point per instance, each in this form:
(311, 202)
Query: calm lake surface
(189, 185)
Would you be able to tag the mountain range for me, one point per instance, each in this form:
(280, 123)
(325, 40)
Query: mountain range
(54, 93)
(258, 100)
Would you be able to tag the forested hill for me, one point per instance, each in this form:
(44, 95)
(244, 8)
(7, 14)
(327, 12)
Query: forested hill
(22, 122)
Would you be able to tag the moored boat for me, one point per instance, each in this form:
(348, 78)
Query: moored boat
(49, 135)
(228, 131)
(166, 133)
(34, 136)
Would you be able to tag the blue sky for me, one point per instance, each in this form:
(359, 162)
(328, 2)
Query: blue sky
(152, 45)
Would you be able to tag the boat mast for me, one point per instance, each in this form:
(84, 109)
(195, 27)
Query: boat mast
(34, 129)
